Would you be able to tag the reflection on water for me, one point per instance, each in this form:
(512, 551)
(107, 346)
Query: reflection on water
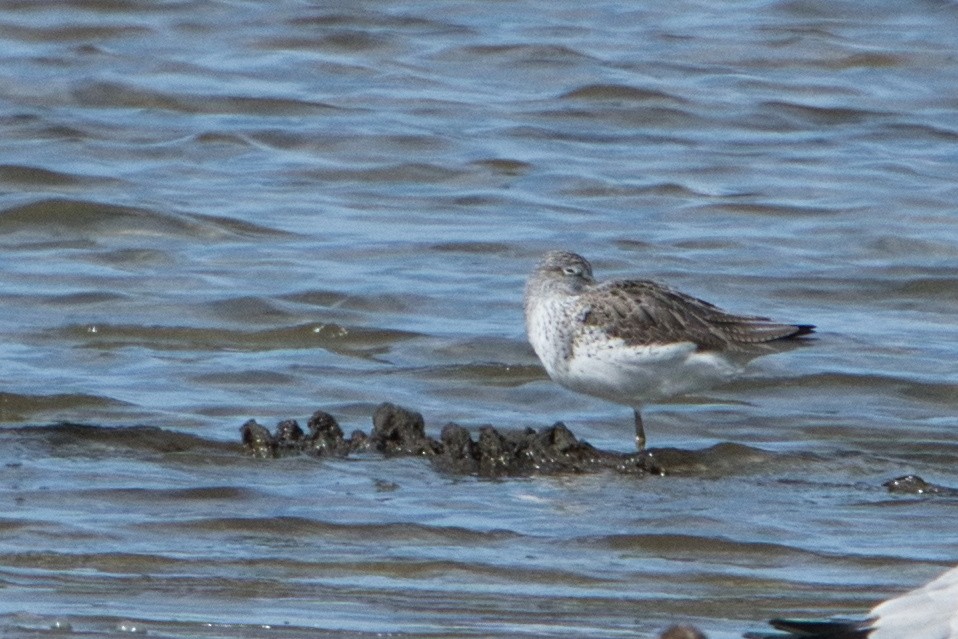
(216, 212)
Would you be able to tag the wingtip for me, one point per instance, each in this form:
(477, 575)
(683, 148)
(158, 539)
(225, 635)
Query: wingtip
(803, 329)
(823, 629)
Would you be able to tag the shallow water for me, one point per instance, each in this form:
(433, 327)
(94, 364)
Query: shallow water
(217, 211)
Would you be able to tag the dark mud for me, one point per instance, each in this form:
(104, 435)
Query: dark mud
(69, 439)
(399, 431)
(555, 450)
(915, 485)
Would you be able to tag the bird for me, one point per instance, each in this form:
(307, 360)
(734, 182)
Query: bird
(635, 341)
(682, 631)
(927, 612)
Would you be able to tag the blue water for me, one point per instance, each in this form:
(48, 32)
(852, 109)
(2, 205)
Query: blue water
(211, 212)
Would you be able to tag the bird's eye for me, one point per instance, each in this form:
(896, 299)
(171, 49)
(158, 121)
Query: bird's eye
(572, 270)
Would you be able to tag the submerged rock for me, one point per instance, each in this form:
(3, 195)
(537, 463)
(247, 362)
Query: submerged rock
(915, 485)
(398, 431)
(257, 440)
(289, 436)
(494, 453)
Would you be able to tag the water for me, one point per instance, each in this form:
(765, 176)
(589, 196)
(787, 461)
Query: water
(217, 211)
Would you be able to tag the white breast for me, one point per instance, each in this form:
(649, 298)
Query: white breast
(547, 327)
(634, 375)
(928, 612)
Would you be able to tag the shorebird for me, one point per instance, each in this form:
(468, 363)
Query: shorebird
(928, 612)
(635, 341)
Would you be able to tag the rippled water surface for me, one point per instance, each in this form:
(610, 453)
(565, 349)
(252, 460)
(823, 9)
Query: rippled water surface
(216, 211)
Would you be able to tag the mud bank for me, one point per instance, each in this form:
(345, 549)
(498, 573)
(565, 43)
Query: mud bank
(400, 431)
(491, 452)
(915, 485)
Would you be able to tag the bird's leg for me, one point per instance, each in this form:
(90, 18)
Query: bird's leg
(639, 432)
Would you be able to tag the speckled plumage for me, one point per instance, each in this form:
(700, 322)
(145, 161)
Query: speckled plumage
(636, 341)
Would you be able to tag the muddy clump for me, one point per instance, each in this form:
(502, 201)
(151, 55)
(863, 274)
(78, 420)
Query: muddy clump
(398, 431)
(491, 452)
(915, 485)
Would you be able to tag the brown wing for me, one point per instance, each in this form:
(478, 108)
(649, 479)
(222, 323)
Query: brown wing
(643, 312)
